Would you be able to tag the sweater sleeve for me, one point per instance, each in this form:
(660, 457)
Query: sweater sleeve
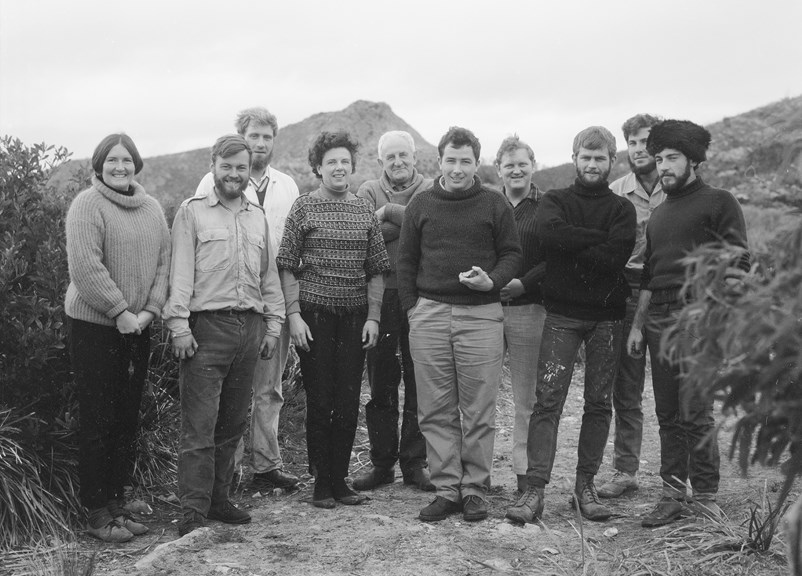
(532, 279)
(85, 233)
(395, 213)
(376, 260)
(556, 233)
(158, 291)
(613, 254)
(646, 274)
(408, 259)
(508, 248)
(289, 253)
(730, 225)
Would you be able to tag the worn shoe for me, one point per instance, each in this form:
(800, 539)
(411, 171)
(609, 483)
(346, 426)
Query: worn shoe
(344, 495)
(110, 532)
(665, 512)
(420, 479)
(134, 527)
(439, 509)
(191, 521)
(373, 478)
(706, 506)
(228, 513)
(529, 507)
(323, 497)
(277, 478)
(522, 483)
(589, 504)
(620, 483)
(473, 508)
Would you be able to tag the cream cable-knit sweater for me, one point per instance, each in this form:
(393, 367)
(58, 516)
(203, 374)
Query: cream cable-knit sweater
(118, 251)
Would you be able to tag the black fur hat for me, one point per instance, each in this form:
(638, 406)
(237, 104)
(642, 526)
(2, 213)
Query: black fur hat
(689, 138)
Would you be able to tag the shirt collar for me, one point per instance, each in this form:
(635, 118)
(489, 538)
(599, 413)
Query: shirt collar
(533, 194)
(633, 186)
(214, 200)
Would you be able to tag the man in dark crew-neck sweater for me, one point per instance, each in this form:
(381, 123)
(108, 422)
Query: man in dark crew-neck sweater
(458, 250)
(692, 214)
(586, 235)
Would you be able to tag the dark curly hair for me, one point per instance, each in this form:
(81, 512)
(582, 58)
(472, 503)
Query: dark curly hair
(327, 141)
(459, 137)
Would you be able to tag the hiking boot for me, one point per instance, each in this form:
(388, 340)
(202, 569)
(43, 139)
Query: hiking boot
(473, 508)
(134, 527)
(705, 505)
(192, 520)
(665, 512)
(278, 478)
(228, 513)
(373, 478)
(522, 483)
(589, 504)
(439, 509)
(529, 507)
(420, 479)
(620, 483)
(110, 532)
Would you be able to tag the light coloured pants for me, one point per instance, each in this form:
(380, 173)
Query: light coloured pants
(457, 352)
(523, 330)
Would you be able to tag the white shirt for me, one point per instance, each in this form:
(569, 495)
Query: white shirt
(280, 194)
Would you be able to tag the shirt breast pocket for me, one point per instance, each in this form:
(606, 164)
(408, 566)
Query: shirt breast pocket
(254, 246)
(214, 249)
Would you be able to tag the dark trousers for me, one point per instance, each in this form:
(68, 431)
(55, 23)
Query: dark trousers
(385, 370)
(561, 339)
(215, 386)
(332, 376)
(688, 443)
(110, 370)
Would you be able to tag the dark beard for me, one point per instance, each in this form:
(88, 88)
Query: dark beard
(581, 176)
(641, 170)
(680, 181)
(257, 163)
(223, 191)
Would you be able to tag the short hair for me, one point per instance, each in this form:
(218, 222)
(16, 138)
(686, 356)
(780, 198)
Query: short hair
(691, 139)
(405, 136)
(230, 144)
(258, 115)
(327, 141)
(595, 138)
(639, 122)
(102, 150)
(459, 137)
(510, 144)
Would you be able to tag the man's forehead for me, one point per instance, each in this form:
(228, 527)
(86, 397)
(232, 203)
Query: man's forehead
(592, 151)
(395, 143)
(451, 150)
(254, 128)
(517, 154)
(241, 157)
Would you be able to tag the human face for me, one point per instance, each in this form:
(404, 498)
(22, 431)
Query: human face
(231, 175)
(515, 170)
(640, 161)
(335, 169)
(260, 139)
(592, 166)
(675, 169)
(118, 168)
(457, 166)
(397, 160)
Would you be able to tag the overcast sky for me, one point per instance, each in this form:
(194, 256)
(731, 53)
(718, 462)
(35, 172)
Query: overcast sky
(172, 74)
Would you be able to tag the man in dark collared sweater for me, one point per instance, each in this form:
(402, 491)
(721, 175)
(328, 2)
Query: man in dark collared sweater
(458, 250)
(692, 215)
(586, 235)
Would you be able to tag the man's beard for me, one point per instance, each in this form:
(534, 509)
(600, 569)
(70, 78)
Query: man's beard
(679, 181)
(260, 162)
(224, 190)
(641, 170)
(603, 177)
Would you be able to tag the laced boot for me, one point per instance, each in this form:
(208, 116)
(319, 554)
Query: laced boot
(589, 504)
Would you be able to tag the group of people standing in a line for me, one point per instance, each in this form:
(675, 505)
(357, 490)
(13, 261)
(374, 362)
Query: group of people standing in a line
(432, 281)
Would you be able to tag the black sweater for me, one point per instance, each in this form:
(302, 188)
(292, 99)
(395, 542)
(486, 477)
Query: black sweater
(445, 233)
(586, 238)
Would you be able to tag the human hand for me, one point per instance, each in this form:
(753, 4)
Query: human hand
(635, 343)
(145, 317)
(268, 347)
(300, 335)
(370, 334)
(380, 214)
(476, 279)
(184, 347)
(512, 290)
(128, 323)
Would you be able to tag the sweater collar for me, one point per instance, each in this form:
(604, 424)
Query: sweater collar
(417, 180)
(599, 189)
(134, 201)
(686, 190)
(533, 194)
(439, 190)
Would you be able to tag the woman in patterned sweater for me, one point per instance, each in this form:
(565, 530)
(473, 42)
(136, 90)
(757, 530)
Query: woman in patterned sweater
(332, 258)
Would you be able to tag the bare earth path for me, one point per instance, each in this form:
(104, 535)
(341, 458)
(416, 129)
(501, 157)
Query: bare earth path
(289, 537)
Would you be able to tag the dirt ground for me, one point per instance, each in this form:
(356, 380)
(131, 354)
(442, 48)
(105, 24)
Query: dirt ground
(289, 537)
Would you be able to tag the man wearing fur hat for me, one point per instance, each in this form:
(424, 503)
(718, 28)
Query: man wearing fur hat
(693, 214)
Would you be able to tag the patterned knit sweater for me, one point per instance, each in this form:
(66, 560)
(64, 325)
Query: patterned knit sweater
(118, 252)
(333, 246)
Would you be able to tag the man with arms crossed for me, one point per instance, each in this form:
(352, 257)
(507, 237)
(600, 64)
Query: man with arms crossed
(389, 195)
(521, 298)
(586, 234)
(642, 188)
(225, 309)
(458, 250)
(275, 192)
(693, 214)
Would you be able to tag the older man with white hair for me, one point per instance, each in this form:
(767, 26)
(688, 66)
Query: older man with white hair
(389, 195)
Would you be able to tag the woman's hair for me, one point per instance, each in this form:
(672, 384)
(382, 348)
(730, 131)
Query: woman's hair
(327, 141)
(109, 142)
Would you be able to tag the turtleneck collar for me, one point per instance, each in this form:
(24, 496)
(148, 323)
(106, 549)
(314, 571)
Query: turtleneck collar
(599, 189)
(135, 200)
(686, 190)
(331, 194)
(475, 189)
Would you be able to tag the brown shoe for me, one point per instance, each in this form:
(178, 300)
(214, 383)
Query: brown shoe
(473, 508)
(420, 479)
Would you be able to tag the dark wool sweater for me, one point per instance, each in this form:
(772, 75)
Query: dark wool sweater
(586, 238)
(694, 215)
(445, 233)
(532, 269)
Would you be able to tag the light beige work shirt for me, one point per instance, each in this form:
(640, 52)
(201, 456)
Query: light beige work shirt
(222, 261)
(630, 187)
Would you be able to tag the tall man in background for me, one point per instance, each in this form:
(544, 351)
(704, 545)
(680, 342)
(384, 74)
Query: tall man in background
(224, 310)
(389, 195)
(692, 215)
(275, 192)
(641, 187)
(587, 234)
(521, 298)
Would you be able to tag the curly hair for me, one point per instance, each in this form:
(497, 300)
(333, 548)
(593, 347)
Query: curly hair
(327, 141)
(510, 145)
(102, 150)
(639, 122)
(459, 137)
(258, 116)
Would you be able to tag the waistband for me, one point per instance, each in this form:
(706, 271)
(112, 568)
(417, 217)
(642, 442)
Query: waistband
(228, 312)
(666, 295)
